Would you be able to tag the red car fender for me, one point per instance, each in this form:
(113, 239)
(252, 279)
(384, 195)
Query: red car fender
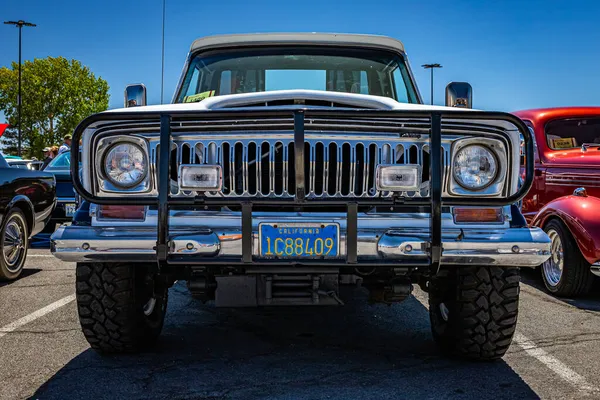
(582, 216)
(3, 128)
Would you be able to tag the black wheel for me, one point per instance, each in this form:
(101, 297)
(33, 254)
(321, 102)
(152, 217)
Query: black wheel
(14, 241)
(566, 273)
(120, 309)
(473, 311)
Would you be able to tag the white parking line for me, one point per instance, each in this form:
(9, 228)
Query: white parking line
(35, 315)
(554, 364)
(39, 255)
(551, 362)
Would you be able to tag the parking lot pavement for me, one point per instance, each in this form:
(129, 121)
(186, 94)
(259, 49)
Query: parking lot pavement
(356, 351)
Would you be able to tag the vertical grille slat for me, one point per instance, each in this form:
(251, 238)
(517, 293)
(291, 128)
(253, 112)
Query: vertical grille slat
(278, 168)
(226, 170)
(238, 168)
(271, 169)
(339, 169)
(333, 169)
(291, 169)
(252, 169)
(346, 165)
(285, 168)
(265, 169)
(307, 167)
(319, 163)
(352, 169)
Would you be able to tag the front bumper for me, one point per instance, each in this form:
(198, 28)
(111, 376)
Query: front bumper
(216, 240)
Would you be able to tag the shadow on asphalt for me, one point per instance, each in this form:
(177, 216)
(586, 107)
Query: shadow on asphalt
(590, 302)
(26, 272)
(40, 241)
(357, 351)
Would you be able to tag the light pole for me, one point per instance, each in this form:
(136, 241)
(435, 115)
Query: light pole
(431, 67)
(162, 71)
(19, 24)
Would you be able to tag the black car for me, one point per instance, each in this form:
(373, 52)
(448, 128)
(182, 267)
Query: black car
(34, 165)
(66, 202)
(27, 199)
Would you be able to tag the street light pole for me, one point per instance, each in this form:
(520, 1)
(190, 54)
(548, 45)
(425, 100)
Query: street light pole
(162, 71)
(19, 24)
(431, 67)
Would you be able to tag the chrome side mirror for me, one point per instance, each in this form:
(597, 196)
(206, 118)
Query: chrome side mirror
(459, 94)
(135, 95)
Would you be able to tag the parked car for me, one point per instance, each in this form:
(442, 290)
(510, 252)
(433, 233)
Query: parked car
(565, 196)
(292, 164)
(33, 165)
(27, 199)
(66, 202)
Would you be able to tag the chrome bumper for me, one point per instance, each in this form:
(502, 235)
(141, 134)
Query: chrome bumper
(596, 269)
(523, 247)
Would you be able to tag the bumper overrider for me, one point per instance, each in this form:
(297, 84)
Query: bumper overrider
(178, 236)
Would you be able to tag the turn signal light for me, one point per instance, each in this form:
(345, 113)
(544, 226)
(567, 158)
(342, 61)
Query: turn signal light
(137, 213)
(473, 214)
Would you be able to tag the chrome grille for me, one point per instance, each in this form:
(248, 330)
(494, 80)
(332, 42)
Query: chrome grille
(334, 167)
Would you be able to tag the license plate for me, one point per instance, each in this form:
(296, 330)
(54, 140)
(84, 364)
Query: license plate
(299, 240)
(70, 209)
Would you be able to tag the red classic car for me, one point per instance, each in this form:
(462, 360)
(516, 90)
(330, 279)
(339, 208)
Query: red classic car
(565, 197)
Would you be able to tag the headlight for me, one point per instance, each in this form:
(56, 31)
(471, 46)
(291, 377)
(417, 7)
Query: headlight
(475, 167)
(125, 165)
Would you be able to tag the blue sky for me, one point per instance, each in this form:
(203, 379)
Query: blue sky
(516, 54)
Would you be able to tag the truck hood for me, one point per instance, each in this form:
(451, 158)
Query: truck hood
(290, 99)
(589, 158)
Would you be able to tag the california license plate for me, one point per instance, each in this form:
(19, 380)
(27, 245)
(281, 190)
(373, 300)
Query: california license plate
(299, 240)
(70, 209)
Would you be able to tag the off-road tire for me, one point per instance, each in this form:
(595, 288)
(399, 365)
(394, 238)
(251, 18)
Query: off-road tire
(12, 269)
(110, 301)
(482, 305)
(577, 278)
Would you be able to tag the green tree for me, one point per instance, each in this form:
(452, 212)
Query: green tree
(57, 94)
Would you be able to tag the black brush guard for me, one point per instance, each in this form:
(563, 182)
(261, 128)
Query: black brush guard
(164, 201)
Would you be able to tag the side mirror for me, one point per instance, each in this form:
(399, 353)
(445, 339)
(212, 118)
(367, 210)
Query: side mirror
(459, 94)
(135, 95)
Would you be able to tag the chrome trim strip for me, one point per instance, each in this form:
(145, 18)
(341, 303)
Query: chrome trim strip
(595, 268)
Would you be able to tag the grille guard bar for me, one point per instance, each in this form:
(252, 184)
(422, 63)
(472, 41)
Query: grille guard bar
(434, 203)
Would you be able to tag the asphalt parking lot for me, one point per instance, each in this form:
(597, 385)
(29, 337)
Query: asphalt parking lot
(358, 351)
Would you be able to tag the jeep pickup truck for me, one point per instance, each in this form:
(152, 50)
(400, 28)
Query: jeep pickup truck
(287, 166)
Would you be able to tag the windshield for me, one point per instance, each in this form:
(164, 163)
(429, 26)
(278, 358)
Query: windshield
(338, 70)
(61, 162)
(572, 133)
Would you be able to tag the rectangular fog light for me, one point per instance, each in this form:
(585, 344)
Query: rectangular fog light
(399, 178)
(200, 177)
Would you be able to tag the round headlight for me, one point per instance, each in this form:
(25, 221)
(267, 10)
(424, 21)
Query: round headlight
(475, 167)
(125, 165)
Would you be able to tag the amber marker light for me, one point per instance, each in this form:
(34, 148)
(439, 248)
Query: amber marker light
(137, 213)
(474, 215)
